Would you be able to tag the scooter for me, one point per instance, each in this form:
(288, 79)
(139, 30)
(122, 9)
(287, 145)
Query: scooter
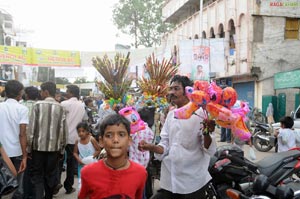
(230, 169)
(262, 138)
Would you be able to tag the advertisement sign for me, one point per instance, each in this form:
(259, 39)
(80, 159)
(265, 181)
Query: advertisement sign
(13, 55)
(44, 57)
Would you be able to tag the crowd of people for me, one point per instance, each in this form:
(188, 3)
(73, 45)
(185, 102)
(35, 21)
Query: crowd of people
(42, 132)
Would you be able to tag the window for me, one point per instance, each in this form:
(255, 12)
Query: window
(204, 35)
(231, 37)
(292, 28)
(221, 31)
(212, 33)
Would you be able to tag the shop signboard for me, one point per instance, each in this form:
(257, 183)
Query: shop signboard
(287, 80)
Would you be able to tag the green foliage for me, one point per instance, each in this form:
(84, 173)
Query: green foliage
(62, 80)
(142, 19)
(80, 80)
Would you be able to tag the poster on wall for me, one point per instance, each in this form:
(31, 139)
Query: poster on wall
(198, 60)
(200, 67)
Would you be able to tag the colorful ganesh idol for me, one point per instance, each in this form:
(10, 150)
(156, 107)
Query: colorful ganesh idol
(136, 123)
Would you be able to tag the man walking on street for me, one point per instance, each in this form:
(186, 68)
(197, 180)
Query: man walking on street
(14, 119)
(75, 114)
(47, 138)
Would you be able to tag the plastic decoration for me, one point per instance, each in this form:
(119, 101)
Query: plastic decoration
(227, 119)
(201, 85)
(215, 92)
(241, 108)
(185, 112)
(197, 99)
(229, 97)
(151, 101)
(218, 104)
(136, 123)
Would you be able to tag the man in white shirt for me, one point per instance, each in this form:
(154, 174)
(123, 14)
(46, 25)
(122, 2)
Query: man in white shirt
(184, 149)
(14, 120)
(75, 114)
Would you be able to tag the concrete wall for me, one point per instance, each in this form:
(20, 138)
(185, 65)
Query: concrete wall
(287, 8)
(275, 54)
(216, 13)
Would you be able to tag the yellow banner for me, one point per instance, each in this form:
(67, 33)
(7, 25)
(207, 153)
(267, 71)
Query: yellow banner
(14, 55)
(44, 57)
(38, 57)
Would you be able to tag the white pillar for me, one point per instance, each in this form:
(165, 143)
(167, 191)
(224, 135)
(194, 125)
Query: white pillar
(201, 21)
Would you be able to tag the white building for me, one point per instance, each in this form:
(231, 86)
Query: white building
(261, 40)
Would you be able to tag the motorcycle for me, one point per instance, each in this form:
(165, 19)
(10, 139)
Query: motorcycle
(230, 169)
(262, 138)
(262, 189)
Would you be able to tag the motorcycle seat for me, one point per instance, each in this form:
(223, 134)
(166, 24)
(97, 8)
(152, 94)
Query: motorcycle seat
(262, 124)
(268, 165)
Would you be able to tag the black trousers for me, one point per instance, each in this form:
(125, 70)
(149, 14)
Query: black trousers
(27, 185)
(44, 173)
(69, 181)
(164, 194)
(17, 163)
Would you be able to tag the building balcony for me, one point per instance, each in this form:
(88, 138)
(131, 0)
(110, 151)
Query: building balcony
(175, 11)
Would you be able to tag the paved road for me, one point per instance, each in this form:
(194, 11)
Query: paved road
(259, 156)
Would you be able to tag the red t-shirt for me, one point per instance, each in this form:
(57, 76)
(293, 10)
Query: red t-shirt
(100, 182)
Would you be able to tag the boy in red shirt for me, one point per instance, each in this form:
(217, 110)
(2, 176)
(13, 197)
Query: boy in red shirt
(114, 176)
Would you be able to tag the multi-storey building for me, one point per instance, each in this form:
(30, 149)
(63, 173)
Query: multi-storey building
(262, 44)
(6, 38)
(7, 32)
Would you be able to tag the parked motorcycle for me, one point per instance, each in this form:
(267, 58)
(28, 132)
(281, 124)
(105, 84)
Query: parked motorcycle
(263, 189)
(230, 169)
(262, 137)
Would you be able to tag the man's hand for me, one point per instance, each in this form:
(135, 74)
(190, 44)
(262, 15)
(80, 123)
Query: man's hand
(209, 125)
(144, 146)
(23, 165)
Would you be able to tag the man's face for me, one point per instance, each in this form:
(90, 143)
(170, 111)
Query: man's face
(44, 94)
(69, 94)
(177, 96)
(20, 95)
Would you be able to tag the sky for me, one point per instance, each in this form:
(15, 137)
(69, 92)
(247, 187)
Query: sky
(83, 25)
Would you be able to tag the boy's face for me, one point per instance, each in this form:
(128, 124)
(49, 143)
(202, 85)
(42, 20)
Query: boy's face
(116, 141)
